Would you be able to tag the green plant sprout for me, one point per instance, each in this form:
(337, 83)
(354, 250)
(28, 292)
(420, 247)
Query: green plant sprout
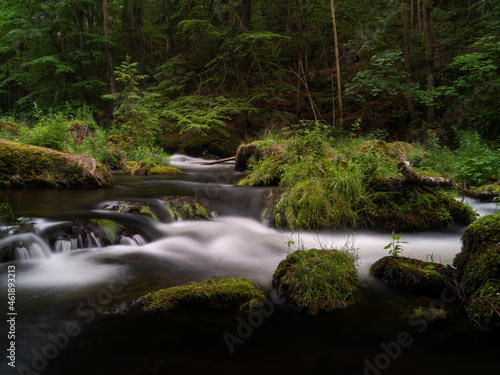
(395, 247)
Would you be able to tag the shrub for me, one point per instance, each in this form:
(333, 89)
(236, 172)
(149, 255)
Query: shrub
(474, 161)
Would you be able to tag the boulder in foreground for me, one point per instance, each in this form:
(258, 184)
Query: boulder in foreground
(318, 280)
(210, 293)
(23, 165)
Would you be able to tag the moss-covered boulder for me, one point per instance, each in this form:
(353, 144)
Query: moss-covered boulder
(412, 275)
(401, 206)
(392, 151)
(210, 293)
(9, 127)
(24, 165)
(318, 280)
(478, 269)
(142, 168)
(187, 208)
(493, 186)
(255, 150)
(484, 306)
(130, 207)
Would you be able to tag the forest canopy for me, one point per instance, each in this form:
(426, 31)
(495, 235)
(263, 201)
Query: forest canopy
(193, 66)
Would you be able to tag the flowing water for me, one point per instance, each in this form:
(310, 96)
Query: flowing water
(73, 292)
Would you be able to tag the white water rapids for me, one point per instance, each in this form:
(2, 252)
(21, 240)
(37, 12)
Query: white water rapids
(228, 246)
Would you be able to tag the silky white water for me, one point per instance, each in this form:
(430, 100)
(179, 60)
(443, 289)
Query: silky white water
(229, 246)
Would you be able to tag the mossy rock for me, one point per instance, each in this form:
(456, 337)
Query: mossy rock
(318, 280)
(393, 151)
(255, 150)
(412, 275)
(128, 207)
(9, 127)
(187, 208)
(479, 259)
(211, 293)
(24, 165)
(493, 186)
(163, 170)
(142, 168)
(401, 206)
(88, 233)
(484, 306)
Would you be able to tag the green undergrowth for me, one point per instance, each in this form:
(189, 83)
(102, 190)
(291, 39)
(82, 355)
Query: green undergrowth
(210, 293)
(330, 181)
(318, 280)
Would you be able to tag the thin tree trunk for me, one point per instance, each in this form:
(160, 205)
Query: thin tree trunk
(337, 62)
(419, 17)
(138, 22)
(412, 14)
(430, 57)
(111, 73)
(406, 54)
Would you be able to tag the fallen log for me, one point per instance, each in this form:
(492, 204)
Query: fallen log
(219, 161)
(408, 172)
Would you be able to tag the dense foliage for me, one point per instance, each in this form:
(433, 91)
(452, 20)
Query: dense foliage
(205, 68)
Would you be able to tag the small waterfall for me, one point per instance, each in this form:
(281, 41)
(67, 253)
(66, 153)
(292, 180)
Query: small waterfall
(22, 253)
(135, 240)
(27, 246)
(65, 246)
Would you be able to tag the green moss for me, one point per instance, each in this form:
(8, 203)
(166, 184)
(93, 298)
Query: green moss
(492, 186)
(412, 275)
(162, 170)
(479, 258)
(249, 153)
(127, 207)
(210, 293)
(110, 228)
(484, 307)
(402, 206)
(142, 168)
(318, 280)
(9, 127)
(187, 208)
(24, 165)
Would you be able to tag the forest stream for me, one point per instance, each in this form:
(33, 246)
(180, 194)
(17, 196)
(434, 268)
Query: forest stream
(73, 302)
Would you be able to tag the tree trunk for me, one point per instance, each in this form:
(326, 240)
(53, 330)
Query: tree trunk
(246, 14)
(408, 172)
(406, 54)
(138, 40)
(419, 17)
(111, 73)
(337, 62)
(430, 56)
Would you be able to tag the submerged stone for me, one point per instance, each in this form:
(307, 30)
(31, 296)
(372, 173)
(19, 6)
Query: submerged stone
(187, 208)
(412, 275)
(23, 165)
(210, 293)
(318, 280)
(129, 207)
